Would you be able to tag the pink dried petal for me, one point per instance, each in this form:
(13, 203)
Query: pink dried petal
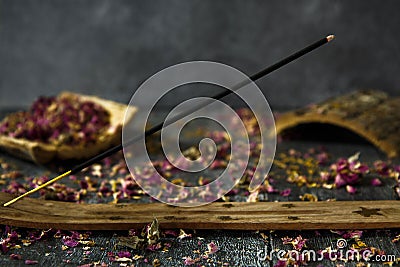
(363, 168)
(124, 254)
(154, 247)
(271, 189)
(281, 263)
(299, 243)
(352, 234)
(15, 256)
(322, 158)
(286, 192)
(339, 181)
(31, 262)
(376, 182)
(381, 168)
(212, 248)
(171, 233)
(286, 240)
(68, 241)
(350, 189)
(189, 261)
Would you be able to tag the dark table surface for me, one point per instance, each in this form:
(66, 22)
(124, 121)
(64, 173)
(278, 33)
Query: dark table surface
(235, 248)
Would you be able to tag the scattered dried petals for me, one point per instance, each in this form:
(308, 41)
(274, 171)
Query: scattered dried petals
(124, 254)
(69, 242)
(190, 261)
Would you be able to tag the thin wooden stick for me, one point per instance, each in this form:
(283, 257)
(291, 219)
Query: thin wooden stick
(161, 125)
(37, 213)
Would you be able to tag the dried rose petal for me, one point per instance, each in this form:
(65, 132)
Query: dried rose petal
(154, 247)
(376, 182)
(171, 233)
(189, 261)
(299, 243)
(70, 242)
(212, 248)
(124, 254)
(286, 192)
(281, 263)
(15, 256)
(351, 189)
(31, 262)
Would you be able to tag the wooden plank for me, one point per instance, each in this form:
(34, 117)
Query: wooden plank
(357, 112)
(36, 213)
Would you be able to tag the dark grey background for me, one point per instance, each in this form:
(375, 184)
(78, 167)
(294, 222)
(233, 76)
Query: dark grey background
(109, 47)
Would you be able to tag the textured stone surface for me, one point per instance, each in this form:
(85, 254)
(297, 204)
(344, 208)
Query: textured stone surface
(108, 48)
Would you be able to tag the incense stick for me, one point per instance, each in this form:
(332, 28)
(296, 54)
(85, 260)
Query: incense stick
(161, 125)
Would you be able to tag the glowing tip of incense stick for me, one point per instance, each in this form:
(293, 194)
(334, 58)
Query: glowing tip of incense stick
(330, 37)
(37, 188)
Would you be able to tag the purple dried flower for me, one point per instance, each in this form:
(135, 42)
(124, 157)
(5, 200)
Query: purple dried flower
(286, 192)
(376, 182)
(299, 243)
(124, 254)
(31, 262)
(351, 189)
(348, 171)
(382, 168)
(70, 242)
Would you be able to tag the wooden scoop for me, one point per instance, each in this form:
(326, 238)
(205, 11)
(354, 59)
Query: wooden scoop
(370, 114)
(41, 153)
